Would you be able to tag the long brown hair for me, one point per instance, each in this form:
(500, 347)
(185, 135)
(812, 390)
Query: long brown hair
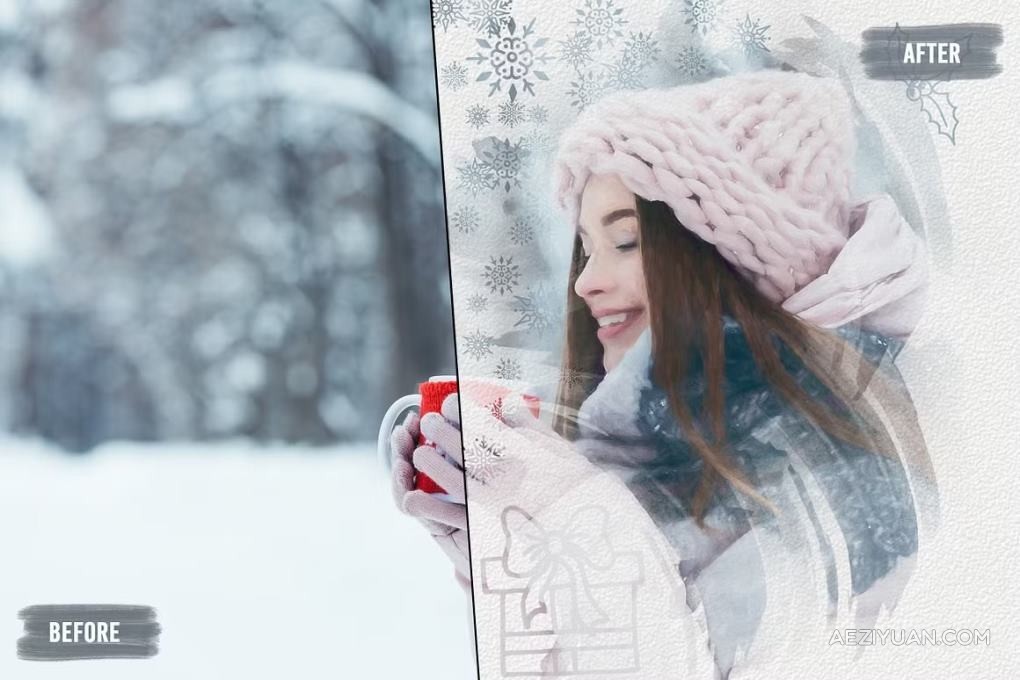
(690, 287)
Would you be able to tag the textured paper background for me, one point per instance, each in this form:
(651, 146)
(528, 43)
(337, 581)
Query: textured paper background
(960, 365)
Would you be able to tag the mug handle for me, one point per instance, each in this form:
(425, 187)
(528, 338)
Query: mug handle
(389, 420)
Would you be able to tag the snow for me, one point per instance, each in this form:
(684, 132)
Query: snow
(261, 562)
(173, 99)
(26, 233)
(167, 99)
(10, 15)
(348, 90)
(20, 96)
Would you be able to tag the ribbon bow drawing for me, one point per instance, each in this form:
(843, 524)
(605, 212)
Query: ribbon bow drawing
(551, 557)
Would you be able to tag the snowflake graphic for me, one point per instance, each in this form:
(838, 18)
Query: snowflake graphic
(465, 220)
(576, 50)
(624, 74)
(496, 409)
(504, 160)
(477, 303)
(511, 114)
(501, 275)
(750, 36)
(586, 89)
(454, 76)
(521, 231)
(477, 344)
(534, 308)
(601, 20)
(538, 140)
(511, 58)
(508, 369)
(447, 13)
(538, 114)
(702, 14)
(691, 62)
(477, 116)
(476, 176)
(641, 48)
(490, 16)
(483, 459)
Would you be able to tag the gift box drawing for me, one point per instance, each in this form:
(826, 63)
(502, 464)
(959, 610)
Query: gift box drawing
(564, 594)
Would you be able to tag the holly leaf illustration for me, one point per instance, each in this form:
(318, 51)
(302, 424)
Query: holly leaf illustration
(941, 112)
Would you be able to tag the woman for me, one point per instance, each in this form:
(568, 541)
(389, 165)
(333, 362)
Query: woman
(731, 323)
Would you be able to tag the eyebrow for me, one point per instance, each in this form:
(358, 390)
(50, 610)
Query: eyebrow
(611, 217)
(618, 215)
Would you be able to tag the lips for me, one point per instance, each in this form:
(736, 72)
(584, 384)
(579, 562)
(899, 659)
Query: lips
(614, 322)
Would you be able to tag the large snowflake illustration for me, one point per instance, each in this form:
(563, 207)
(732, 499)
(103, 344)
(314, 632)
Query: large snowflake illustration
(702, 15)
(484, 459)
(477, 344)
(586, 90)
(601, 20)
(504, 160)
(511, 114)
(750, 36)
(465, 220)
(692, 62)
(501, 275)
(576, 50)
(453, 76)
(477, 116)
(490, 16)
(477, 303)
(508, 369)
(535, 309)
(447, 13)
(476, 176)
(511, 58)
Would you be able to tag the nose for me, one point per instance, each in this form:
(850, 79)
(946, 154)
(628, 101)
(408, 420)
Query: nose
(595, 278)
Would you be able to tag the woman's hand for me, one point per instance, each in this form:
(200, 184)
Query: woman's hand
(446, 520)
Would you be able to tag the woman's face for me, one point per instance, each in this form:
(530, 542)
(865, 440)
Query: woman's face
(612, 282)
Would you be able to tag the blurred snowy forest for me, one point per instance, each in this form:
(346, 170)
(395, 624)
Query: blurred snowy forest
(218, 219)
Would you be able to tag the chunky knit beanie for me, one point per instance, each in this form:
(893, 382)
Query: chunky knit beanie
(757, 164)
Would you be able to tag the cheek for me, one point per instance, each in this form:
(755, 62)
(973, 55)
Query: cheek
(636, 278)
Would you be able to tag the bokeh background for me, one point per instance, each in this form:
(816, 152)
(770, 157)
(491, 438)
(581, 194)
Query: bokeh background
(220, 218)
(222, 255)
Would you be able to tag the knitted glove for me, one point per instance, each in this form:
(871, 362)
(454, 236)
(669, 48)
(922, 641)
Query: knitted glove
(445, 520)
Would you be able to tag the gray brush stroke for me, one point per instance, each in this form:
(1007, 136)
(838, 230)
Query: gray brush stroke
(138, 632)
(883, 49)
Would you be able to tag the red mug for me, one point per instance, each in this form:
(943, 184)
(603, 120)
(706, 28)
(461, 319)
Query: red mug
(429, 399)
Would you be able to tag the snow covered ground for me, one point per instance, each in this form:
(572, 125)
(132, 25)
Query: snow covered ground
(261, 562)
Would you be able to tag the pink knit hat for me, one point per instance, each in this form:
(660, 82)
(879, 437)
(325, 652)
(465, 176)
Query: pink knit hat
(759, 165)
